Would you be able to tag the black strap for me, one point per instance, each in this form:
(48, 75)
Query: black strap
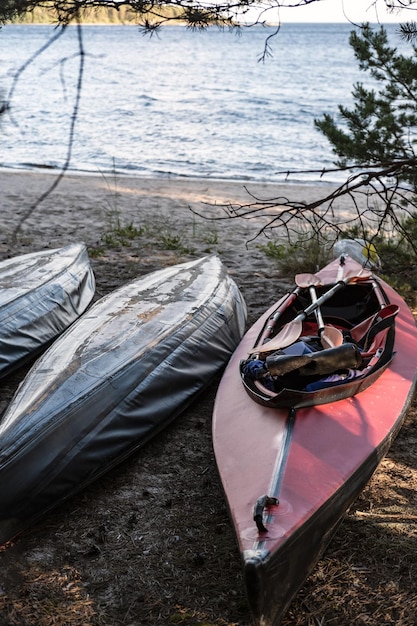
(382, 322)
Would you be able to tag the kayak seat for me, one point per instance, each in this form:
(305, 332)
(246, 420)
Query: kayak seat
(364, 333)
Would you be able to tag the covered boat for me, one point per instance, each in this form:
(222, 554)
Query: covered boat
(119, 375)
(41, 294)
(305, 410)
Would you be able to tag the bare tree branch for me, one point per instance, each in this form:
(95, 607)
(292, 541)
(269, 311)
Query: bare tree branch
(378, 204)
(73, 120)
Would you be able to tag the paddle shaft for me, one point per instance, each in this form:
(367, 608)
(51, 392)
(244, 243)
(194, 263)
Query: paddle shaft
(319, 316)
(323, 298)
(291, 331)
(274, 318)
(330, 336)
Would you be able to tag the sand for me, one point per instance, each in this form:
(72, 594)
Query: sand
(81, 206)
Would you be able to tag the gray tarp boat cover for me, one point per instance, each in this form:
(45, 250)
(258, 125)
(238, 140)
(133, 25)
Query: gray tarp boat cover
(41, 294)
(120, 373)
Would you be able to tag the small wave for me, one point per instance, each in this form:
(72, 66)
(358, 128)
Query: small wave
(234, 120)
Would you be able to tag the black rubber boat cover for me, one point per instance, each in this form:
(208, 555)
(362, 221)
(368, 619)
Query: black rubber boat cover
(41, 294)
(121, 373)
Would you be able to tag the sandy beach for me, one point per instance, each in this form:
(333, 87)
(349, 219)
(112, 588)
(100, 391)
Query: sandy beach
(151, 542)
(82, 206)
(165, 214)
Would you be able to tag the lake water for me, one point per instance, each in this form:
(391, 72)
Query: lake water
(190, 104)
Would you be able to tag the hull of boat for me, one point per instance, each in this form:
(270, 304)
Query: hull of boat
(41, 294)
(314, 459)
(120, 374)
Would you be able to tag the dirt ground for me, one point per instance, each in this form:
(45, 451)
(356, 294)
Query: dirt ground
(151, 542)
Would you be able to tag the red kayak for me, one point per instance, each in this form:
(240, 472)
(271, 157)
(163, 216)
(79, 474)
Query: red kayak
(307, 407)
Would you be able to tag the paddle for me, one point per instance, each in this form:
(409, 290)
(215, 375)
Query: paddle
(292, 331)
(329, 335)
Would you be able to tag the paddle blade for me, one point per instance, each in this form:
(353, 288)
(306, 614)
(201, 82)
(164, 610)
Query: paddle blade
(307, 280)
(348, 271)
(286, 336)
(332, 274)
(331, 337)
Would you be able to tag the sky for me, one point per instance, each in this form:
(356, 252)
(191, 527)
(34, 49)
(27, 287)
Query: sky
(357, 11)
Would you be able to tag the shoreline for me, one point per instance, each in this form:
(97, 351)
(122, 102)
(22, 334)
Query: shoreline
(149, 223)
(94, 195)
(152, 221)
(54, 171)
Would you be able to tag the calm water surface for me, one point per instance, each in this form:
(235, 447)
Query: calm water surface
(181, 104)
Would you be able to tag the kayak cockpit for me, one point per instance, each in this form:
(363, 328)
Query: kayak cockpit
(324, 342)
